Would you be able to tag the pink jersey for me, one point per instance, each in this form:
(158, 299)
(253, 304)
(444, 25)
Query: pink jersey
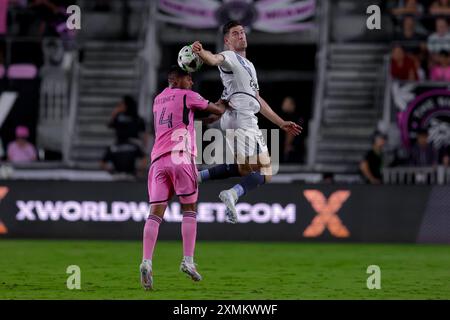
(440, 73)
(17, 153)
(173, 112)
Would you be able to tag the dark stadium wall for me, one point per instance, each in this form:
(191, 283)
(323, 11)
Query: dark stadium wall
(276, 212)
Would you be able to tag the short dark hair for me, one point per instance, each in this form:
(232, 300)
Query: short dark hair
(230, 24)
(131, 105)
(176, 71)
(378, 134)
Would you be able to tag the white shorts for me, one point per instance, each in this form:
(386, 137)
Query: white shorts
(242, 134)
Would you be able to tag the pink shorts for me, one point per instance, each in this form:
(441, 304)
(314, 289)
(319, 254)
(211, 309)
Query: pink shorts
(166, 178)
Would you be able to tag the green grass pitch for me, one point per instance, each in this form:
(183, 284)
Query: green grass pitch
(231, 270)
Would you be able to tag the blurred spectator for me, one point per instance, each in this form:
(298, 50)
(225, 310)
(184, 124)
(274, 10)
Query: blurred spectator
(372, 163)
(411, 40)
(403, 67)
(445, 156)
(291, 145)
(126, 121)
(422, 153)
(399, 157)
(45, 12)
(441, 71)
(123, 156)
(440, 7)
(405, 7)
(21, 150)
(439, 40)
(409, 32)
(414, 44)
(48, 16)
(20, 19)
(328, 178)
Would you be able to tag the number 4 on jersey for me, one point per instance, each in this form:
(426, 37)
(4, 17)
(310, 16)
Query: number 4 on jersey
(163, 121)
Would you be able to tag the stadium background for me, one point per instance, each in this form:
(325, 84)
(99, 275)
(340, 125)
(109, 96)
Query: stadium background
(63, 85)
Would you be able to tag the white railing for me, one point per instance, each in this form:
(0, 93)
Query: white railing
(53, 96)
(321, 62)
(445, 175)
(417, 175)
(72, 114)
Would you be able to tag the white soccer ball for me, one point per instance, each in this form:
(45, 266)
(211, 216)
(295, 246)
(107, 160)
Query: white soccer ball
(188, 60)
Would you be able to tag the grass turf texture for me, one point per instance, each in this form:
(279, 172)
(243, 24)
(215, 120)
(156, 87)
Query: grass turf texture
(239, 270)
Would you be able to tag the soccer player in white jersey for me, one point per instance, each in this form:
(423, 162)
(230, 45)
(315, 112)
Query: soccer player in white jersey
(241, 92)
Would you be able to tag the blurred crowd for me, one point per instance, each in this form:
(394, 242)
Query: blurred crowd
(421, 44)
(24, 24)
(127, 154)
(420, 52)
(35, 17)
(421, 154)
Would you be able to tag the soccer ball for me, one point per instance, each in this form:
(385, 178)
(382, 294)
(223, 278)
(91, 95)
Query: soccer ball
(188, 60)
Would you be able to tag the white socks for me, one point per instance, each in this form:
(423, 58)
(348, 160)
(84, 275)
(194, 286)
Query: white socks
(188, 259)
(147, 260)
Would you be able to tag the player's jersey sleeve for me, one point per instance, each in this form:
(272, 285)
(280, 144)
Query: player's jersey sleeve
(230, 60)
(195, 101)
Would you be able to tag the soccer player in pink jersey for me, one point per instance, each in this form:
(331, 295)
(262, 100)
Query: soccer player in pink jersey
(173, 170)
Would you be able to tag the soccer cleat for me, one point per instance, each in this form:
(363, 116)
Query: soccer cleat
(230, 218)
(190, 270)
(146, 275)
(229, 198)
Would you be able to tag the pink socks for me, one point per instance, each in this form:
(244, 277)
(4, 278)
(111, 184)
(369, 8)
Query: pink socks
(150, 235)
(189, 233)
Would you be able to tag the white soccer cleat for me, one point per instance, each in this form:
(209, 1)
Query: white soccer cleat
(146, 275)
(191, 270)
(229, 198)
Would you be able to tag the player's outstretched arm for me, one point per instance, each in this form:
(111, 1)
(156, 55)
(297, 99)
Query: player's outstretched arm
(207, 56)
(217, 108)
(288, 126)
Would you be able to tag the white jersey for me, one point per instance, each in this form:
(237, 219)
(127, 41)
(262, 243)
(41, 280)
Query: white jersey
(240, 83)
(240, 89)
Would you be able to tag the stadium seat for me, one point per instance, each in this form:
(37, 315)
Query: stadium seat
(22, 71)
